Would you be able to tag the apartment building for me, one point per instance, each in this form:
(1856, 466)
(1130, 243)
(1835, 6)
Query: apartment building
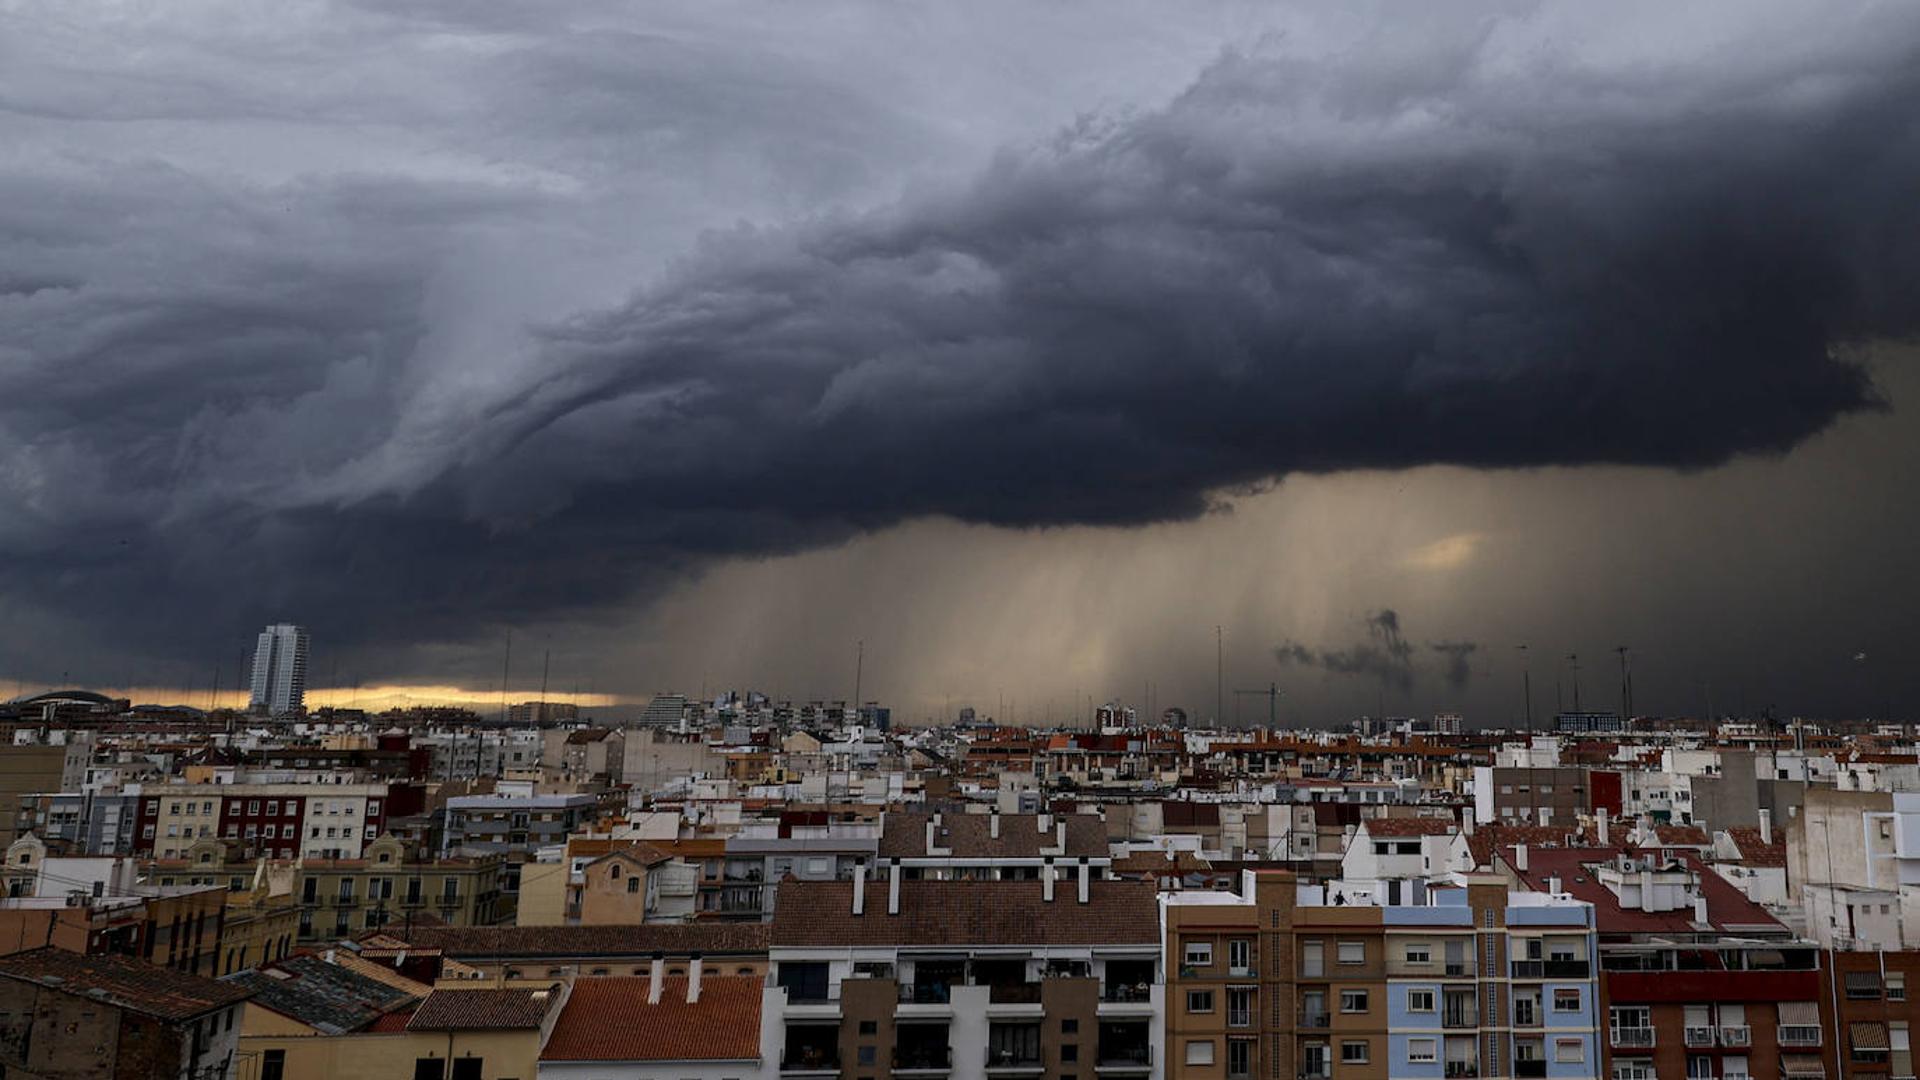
(1277, 982)
(1868, 1013)
(280, 821)
(1698, 980)
(390, 885)
(1054, 978)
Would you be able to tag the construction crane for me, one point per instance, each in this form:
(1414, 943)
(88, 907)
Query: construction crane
(1272, 693)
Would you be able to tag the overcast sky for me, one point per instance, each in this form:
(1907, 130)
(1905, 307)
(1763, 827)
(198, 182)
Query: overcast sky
(1027, 343)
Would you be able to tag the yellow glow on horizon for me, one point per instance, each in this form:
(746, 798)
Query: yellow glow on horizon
(371, 698)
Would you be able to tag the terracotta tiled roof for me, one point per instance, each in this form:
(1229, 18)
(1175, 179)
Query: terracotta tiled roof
(469, 1010)
(1682, 835)
(1158, 863)
(134, 985)
(970, 836)
(378, 972)
(1755, 853)
(1410, 826)
(678, 939)
(1486, 839)
(1727, 907)
(724, 1025)
(393, 1023)
(820, 913)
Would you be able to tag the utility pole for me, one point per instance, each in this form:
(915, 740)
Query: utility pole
(1574, 660)
(859, 671)
(506, 672)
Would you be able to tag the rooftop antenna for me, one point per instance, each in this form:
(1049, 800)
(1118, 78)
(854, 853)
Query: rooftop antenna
(1219, 676)
(859, 671)
(506, 670)
(1526, 687)
(546, 664)
(1574, 660)
(1626, 685)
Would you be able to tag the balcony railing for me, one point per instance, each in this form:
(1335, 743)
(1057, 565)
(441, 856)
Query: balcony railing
(1460, 1018)
(1798, 1035)
(1126, 992)
(810, 1062)
(1529, 969)
(1459, 970)
(923, 1058)
(1011, 1063)
(1239, 1018)
(1567, 969)
(1530, 1069)
(1462, 1070)
(1736, 1035)
(1698, 1035)
(925, 994)
(1124, 1057)
(1526, 1014)
(1633, 1037)
(1014, 994)
(1313, 1019)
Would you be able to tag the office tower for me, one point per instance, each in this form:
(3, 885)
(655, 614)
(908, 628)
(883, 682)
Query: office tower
(280, 670)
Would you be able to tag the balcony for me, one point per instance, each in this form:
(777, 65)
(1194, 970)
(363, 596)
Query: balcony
(1127, 993)
(1462, 1070)
(1530, 1069)
(1460, 1018)
(1736, 1035)
(801, 1064)
(1635, 1038)
(1313, 1020)
(1798, 1035)
(1698, 1035)
(1567, 969)
(927, 993)
(923, 1060)
(1124, 1059)
(1014, 994)
(1529, 969)
(1006, 1064)
(1526, 1014)
(1458, 970)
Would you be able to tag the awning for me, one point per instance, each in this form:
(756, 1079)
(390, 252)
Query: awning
(1800, 1013)
(1801, 1065)
(1869, 1035)
(1866, 982)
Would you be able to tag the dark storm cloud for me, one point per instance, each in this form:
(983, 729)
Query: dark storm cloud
(1384, 655)
(1298, 265)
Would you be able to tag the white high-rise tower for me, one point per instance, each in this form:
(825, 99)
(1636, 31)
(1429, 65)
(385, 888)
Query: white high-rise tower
(280, 670)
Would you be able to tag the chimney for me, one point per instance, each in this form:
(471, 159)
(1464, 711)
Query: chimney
(693, 980)
(1553, 885)
(1060, 836)
(1700, 910)
(1646, 889)
(933, 827)
(993, 825)
(1046, 880)
(1600, 817)
(1044, 821)
(893, 887)
(1086, 879)
(859, 888)
(1766, 826)
(1520, 857)
(656, 979)
(1546, 816)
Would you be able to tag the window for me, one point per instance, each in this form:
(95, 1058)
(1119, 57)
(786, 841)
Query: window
(869, 1027)
(1199, 1051)
(1199, 954)
(1353, 1052)
(429, 1068)
(1420, 1001)
(273, 1065)
(1069, 1027)
(1896, 986)
(1239, 1057)
(1566, 999)
(1353, 1001)
(1423, 1050)
(1239, 954)
(1069, 1051)
(1569, 1050)
(1419, 952)
(1199, 1001)
(867, 1055)
(1353, 952)
(1312, 959)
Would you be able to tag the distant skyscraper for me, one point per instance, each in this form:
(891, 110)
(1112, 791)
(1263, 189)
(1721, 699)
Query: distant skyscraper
(280, 670)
